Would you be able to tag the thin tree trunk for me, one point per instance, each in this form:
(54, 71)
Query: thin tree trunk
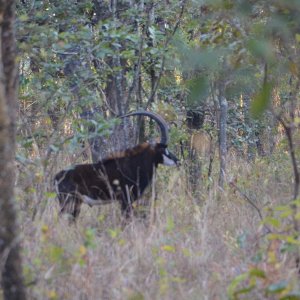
(12, 282)
(222, 136)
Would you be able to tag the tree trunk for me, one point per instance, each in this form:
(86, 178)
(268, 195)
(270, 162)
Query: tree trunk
(222, 136)
(12, 282)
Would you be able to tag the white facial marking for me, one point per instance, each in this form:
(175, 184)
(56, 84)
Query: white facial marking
(116, 182)
(167, 161)
(91, 202)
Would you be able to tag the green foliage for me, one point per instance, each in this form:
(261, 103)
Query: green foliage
(198, 91)
(261, 50)
(282, 239)
(89, 241)
(262, 100)
(250, 278)
(68, 54)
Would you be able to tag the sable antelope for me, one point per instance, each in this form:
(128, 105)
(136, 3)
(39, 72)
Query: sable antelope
(122, 176)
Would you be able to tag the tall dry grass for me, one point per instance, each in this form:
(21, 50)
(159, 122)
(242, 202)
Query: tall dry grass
(184, 249)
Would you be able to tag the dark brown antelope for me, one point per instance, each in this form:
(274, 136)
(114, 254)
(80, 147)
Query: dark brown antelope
(120, 177)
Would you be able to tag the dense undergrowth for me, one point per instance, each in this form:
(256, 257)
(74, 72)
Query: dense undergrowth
(214, 248)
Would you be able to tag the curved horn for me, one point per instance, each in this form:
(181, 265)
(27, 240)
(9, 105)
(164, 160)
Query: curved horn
(158, 119)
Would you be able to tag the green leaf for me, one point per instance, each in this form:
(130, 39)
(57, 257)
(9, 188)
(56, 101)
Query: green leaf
(50, 195)
(56, 253)
(297, 216)
(261, 101)
(198, 91)
(291, 296)
(290, 239)
(261, 49)
(278, 287)
(282, 208)
(245, 290)
(170, 224)
(232, 288)
(90, 235)
(152, 32)
(257, 273)
(168, 248)
(282, 237)
(114, 233)
(286, 214)
(23, 18)
(272, 221)
(296, 202)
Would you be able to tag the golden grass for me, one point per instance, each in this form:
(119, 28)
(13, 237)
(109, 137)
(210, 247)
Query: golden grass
(183, 250)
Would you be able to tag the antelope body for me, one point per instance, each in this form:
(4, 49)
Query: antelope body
(121, 177)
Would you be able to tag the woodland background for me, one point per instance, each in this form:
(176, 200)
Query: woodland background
(225, 76)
